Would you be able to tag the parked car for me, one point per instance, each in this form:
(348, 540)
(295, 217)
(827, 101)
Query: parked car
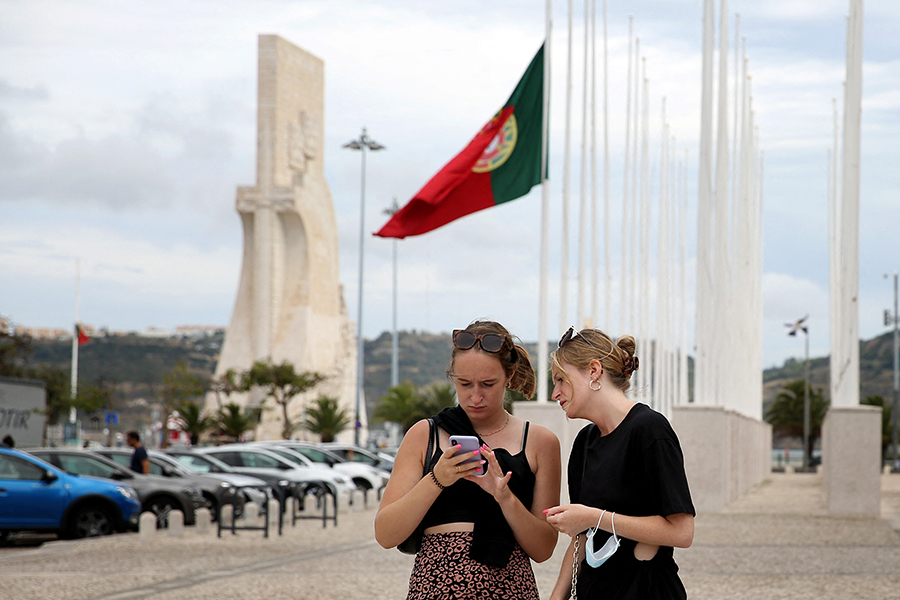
(157, 494)
(37, 496)
(302, 460)
(215, 490)
(365, 477)
(361, 455)
(249, 459)
(198, 462)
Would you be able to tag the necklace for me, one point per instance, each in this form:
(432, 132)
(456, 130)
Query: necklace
(484, 435)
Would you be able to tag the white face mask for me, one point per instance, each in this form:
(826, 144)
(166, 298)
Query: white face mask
(595, 558)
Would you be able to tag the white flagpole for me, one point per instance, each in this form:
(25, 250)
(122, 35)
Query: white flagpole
(634, 268)
(606, 219)
(73, 392)
(627, 246)
(834, 210)
(564, 266)
(593, 311)
(704, 370)
(543, 353)
(847, 374)
(722, 308)
(583, 213)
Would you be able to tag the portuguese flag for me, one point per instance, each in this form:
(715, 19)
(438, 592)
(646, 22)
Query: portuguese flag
(501, 163)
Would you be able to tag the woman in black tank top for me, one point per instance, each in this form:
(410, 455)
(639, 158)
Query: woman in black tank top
(480, 532)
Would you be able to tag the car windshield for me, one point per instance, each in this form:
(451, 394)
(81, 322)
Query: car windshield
(82, 464)
(200, 464)
(317, 455)
(290, 456)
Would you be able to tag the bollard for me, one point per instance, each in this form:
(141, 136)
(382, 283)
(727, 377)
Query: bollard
(147, 526)
(273, 507)
(789, 469)
(343, 503)
(204, 518)
(371, 498)
(176, 524)
(886, 470)
(226, 512)
(309, 504)
(251, 514)
(358, 500)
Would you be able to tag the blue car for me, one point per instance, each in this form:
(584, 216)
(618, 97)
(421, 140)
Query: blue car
(36, 496)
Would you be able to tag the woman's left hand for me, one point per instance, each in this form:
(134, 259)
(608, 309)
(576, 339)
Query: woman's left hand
(570, 519)
(494, 482)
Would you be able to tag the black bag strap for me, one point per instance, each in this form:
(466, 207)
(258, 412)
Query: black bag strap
(426, 466)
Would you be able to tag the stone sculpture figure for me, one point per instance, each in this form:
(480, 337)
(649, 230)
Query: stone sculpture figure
(289, 303)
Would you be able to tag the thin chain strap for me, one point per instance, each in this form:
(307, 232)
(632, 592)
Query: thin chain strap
(575, 571)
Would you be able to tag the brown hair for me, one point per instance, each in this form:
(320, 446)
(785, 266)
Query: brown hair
(617, 357)
(513, 357)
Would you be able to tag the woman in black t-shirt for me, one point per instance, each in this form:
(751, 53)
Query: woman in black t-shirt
(626, 474)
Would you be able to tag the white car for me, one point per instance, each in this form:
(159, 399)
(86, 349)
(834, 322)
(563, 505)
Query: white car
(250, 459)
(364, 476)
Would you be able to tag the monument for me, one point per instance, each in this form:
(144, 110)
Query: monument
(289, 304)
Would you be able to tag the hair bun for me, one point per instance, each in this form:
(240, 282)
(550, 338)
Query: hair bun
(631, 364)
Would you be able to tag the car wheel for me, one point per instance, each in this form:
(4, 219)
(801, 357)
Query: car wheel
(161, 506)
(362, 484)
(89, 521)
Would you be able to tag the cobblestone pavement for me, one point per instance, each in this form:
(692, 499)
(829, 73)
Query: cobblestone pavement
(776, 542)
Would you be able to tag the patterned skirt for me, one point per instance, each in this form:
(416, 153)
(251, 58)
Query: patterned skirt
(444, 571)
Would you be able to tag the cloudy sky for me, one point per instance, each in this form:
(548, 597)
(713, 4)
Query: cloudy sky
(125, 128)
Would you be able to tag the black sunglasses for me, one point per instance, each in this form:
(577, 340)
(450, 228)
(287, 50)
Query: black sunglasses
(570, 334)
(489, 342)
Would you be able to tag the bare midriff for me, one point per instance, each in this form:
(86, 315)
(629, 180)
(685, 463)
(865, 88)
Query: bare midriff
(450, 528)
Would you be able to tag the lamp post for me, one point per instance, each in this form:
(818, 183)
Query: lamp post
(800, 325)
(895, 318)
(362, 143)
(395, 351)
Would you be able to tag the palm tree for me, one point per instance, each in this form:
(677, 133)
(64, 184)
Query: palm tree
(326, 418)
(235, 421)
(786, 413)
(436, 398)
(193, 421)
(400, 405)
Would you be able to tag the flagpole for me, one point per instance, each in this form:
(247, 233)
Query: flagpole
(543, 354)
(583, 216)
(564, 267)
(73, 412)
(607, 262)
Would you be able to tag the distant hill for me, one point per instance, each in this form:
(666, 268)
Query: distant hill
(136, 364)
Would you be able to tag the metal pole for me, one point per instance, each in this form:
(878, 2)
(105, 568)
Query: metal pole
(362, 144)
(395, 349)
(894, 407)
(806, 409)
(360, 344)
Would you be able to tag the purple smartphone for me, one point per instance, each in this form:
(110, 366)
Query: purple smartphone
(469, 445)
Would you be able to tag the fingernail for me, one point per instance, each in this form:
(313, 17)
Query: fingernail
(546, 510)
(457, 446)
(476, 453)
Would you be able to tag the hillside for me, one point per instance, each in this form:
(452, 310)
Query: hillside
(135, 365)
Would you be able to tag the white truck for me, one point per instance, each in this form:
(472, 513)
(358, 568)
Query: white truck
(22, 406)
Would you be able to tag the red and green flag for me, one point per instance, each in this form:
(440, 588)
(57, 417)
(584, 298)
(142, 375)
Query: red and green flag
(501, 163)
(81, 335)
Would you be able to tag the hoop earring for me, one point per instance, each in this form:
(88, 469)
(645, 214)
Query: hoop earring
(599, 385)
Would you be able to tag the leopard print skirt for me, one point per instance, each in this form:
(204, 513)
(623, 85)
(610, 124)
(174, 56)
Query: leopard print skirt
(444, 571)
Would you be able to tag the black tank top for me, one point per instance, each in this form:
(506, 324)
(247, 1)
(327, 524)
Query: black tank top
(458, 503)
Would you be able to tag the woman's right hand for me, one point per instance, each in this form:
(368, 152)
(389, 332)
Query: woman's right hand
(449, 468)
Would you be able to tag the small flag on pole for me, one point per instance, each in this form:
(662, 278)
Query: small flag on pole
(83, 337)
(501, 163)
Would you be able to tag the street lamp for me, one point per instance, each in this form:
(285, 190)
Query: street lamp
(395, 354)
(895, 318)
(800, 325)
(362, 143)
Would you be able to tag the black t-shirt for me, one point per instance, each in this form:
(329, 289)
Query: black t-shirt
(635, 470)
(137, 459)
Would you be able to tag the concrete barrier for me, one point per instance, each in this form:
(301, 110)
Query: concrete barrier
(226, 514)
(251, 514)
(358, 500)
(371, 498)
(204, 520)
(147, 526)
(176, 524)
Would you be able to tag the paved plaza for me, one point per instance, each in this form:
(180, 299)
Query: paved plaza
(776, 542)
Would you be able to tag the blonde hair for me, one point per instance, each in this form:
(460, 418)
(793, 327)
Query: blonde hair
(513, 357)
(617, 357)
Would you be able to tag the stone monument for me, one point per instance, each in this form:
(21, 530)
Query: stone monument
(289, 304)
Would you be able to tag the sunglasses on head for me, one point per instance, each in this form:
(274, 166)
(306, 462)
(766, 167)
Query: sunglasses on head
(570, 334)
(489, 342)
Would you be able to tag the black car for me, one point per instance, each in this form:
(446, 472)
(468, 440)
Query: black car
(216, 489)
(157, 494)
